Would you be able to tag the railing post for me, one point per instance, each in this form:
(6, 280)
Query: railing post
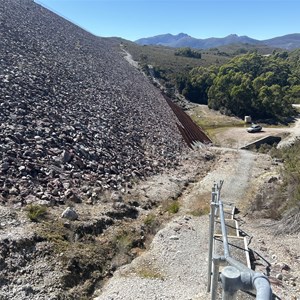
(231, 282)
(211, 235)
(215, 277)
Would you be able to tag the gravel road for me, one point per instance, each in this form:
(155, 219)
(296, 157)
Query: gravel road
(294, 135)
(175, 265)
(235, 168)
(238, 137)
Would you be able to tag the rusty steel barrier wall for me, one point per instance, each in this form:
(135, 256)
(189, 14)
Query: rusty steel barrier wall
(191, 132)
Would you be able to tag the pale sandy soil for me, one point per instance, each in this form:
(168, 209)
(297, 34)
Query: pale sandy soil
(175, 265)
(238, 137)
(231, 132)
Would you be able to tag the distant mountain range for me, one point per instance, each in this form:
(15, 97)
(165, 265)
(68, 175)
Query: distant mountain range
(288, 42)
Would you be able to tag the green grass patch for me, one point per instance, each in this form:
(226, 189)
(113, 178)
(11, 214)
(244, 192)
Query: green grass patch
(149, 273)
(201, 211)
(56, 234)
(36, 212)
(152, 223)
(213, 122)
(211, 119)
(124, 241)
(150, 220)
(172, 207)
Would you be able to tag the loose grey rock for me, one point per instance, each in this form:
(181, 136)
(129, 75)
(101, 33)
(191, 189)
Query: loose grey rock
(70, 214)
(285, 267)
(72, 196)
(66, 156)
(82, 112)
(279, 276)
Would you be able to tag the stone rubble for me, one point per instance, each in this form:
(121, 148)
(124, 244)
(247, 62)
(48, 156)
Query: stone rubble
(73, 112)
(76, 121)
(70, 214)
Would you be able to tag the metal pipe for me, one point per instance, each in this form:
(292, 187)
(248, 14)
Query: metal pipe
(218, 194)
(231, 279)
(238, 276)
(239, 265)
(256, 281)
(219, 187)
(262, 286)
(215, 278)
(211, 237)
(224, 230)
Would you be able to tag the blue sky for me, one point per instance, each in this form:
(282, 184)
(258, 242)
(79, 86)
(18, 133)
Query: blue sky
(134, 19)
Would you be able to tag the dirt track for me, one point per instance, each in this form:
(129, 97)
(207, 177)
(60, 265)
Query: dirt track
(237, 137)
(240, 170)
(231, 132)
(243, 172)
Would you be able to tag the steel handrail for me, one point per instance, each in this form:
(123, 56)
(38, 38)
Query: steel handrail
(236, 276)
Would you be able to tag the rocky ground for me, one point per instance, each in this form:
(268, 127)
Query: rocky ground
(77, 122)
(73, 112)
(62, 258)
(175, 266)
(92, 165)
(46, 264)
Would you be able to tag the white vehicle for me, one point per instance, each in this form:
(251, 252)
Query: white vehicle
(254, 128)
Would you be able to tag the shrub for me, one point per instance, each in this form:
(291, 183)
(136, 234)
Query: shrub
(264, 148)
(200, 211)
(284, 202)
(149, 220)
(188, 52)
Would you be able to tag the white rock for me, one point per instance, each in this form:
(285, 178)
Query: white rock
(279, 276)
(70, 214)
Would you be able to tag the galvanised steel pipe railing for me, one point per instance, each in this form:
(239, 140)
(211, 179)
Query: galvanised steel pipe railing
(224, 230)
(211, 234)
(236, 276)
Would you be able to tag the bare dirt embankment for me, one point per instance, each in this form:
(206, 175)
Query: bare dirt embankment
(175, 265)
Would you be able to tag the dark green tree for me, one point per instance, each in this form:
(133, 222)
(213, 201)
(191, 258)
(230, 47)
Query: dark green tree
(254, 85)
(188, 52)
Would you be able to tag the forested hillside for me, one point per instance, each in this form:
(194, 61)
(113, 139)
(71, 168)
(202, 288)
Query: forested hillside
(251, 84)
(236, 80)
(172, 65)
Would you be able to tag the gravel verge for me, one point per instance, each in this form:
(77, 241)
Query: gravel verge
(177, 259)
(175, 266)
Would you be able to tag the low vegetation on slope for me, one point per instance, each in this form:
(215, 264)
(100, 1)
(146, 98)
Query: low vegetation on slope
(172, 65)
(288, 195)
(237, 80)
(283, 202)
